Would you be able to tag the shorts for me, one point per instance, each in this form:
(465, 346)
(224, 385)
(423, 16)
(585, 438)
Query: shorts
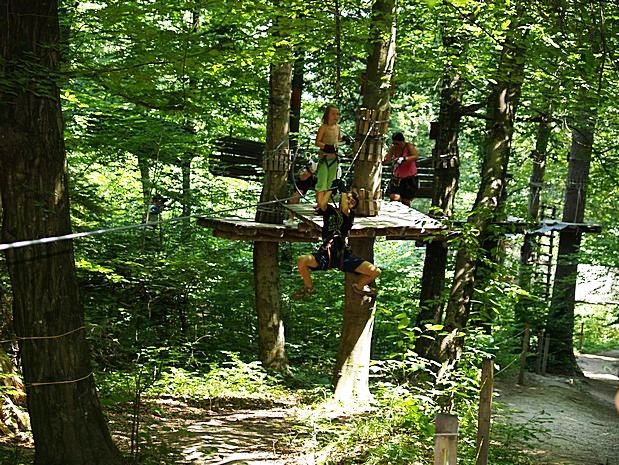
(329, 257)
(308, 184)
(404, 187)
(327, 172)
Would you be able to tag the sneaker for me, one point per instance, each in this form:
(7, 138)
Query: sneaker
(303, 292)
(365, 290)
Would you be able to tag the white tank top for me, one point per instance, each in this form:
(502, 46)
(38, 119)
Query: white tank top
(331, 134)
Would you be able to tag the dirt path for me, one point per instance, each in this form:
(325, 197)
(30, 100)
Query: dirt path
(578, 416)
(577, 420)
(236, 434)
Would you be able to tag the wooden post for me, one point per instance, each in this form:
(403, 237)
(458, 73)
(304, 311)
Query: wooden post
(523, 354)
(545, 353)
(582, 335)
(540, 348)
(446, 439)
(485, 411)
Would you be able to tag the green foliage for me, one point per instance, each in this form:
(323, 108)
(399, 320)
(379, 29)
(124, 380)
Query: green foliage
(147, 86)
(599, 326)
(399, 426)
(154, 378)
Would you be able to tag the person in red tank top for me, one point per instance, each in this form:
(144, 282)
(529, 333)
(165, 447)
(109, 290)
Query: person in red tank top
(404, 183)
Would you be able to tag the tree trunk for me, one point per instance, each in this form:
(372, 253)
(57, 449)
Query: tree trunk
(67, 424)
(190, 86)
(266, 262)
(560, 325)
(502, 106)
(446, 163)
(187, 197)
(145, 181)
(351, 375)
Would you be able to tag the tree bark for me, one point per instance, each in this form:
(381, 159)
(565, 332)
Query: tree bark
(446, 163)
(266, 262)
(351, 375)
(560, 324)
(67, 424)
(501, 112)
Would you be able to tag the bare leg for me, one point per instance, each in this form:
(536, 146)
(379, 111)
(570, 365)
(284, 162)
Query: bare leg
(322, 198)
(369, 273)
(406, 202)
(394, 197)
(303, 264)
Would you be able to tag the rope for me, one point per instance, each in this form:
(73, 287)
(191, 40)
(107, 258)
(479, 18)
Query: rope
(36, 338)
(508, 365)
(68, 381)
(51, 239)
(367, 134)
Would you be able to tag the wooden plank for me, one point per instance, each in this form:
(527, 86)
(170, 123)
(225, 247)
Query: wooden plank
(260, 238)
(394, 221)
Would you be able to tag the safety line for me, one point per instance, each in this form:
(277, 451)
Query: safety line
(68, 381)
(51, 239)
(35, 338)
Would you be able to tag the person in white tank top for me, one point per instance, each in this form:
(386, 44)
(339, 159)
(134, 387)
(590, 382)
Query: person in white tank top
(327, 140)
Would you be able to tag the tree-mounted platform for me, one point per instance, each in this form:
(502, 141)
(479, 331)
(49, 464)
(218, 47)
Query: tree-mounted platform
(395, 221)
(556, 225)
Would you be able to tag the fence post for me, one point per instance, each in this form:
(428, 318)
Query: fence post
(540, 349)
(446, 439)
(545, 354)
(485, 411)
(523, 354)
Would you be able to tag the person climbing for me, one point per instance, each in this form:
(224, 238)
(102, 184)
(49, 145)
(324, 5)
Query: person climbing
(305, 180)
(404, 182)
(327, 140)
(335, 251)
(156, 207)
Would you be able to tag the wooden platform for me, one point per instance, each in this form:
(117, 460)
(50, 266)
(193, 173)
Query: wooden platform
(395, 221)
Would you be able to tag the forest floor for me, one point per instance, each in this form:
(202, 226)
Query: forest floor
(575, 420)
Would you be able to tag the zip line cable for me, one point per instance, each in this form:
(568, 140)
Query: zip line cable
(51, 239)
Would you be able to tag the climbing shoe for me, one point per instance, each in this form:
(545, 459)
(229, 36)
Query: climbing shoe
(303, 293)
(365, 290)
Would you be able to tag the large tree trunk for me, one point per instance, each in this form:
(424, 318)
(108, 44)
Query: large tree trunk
(446, 163)
(351, 374)
(67, 424)
(266, 262)
(560, 325)
(189, 86)
(501, 112)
